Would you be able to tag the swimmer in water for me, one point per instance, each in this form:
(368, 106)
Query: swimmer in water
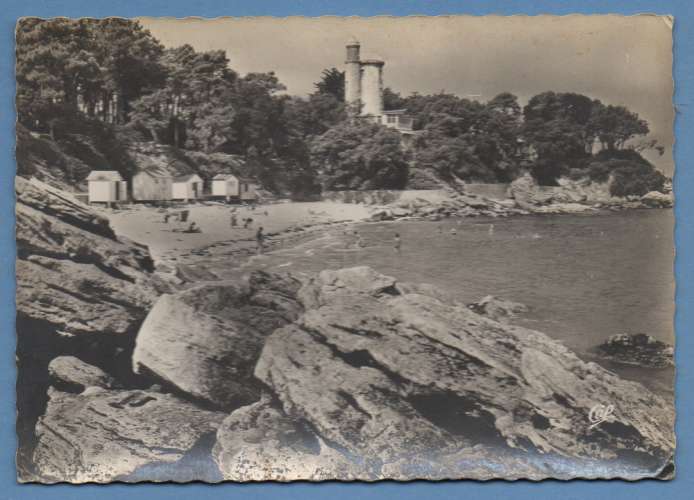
(397, 243)
(360, 240)
(453, 231)
(491, 229)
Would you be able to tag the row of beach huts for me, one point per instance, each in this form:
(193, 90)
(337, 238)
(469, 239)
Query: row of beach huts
(158, 185)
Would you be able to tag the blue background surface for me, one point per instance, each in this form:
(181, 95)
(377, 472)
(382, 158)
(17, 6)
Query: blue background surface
(681, 488)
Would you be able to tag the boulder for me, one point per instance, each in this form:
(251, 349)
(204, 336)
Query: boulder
(101, 435)
(260, 443)
(205, 341)
(71, 372)
(402, 380)
(656, 199)
(498, 309)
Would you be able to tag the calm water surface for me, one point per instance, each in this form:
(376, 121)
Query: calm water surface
(584, 277)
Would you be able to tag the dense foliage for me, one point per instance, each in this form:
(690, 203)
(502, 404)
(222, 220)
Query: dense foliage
(113, 82)
(358, 154)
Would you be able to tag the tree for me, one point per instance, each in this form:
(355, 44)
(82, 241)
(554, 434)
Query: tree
(130, 58)
(630, 173)
(54, 61)
(393, 100)
(332, 82)
(558, 128)
(615, 125)
(466, 139)
(359, 155)
(193, 102)
(89, 66)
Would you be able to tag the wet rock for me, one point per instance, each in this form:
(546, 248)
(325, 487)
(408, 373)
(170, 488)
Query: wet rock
(71, 372)
(205, 341)
(401, 379)
(498, 309)
(656, 199)
(101, 435)
(639, 349)
(260, 443)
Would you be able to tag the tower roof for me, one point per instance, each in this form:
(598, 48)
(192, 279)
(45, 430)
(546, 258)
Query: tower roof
(373, 62)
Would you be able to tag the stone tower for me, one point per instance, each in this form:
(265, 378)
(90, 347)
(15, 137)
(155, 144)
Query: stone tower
(372, 88)
(353, 75)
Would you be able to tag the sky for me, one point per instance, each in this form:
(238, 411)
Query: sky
(624, 60)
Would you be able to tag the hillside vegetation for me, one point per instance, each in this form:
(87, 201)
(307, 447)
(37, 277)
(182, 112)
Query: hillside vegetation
(106, 94)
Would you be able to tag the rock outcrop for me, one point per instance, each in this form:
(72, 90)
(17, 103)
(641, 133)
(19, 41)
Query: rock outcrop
(82, 292)
(655, 199)
(73, 373)
(205, 341)
(498, 309)
(73, 273)
(260, 443)
(349, 374)
(639, 349)
(101, 435)
(400, 379)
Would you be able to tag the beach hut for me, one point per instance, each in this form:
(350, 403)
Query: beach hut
(152, 184)
(106, 186)
(248, 190)
(187, 187)
(225, 185)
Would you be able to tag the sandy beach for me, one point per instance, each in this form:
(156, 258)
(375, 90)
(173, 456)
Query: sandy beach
(167, 240)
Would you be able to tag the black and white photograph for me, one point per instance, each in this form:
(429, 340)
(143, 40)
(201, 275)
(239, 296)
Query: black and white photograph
(343, 248)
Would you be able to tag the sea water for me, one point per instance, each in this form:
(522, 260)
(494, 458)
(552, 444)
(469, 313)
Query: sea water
(584, 277)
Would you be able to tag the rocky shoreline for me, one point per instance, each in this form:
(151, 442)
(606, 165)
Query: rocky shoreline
(344, 374)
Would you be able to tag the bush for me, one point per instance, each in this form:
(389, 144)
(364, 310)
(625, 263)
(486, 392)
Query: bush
(360, 156)
(636, 180)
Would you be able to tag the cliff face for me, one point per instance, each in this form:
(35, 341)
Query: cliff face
(349, 374)
(72, 271)
(80, 291)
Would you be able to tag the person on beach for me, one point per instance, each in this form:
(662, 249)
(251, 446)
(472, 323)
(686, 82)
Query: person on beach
(193, 228)
(234, 220)
(397, 243)
(247, 222)
(259, 240)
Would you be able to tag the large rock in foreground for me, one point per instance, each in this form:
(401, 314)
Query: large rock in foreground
(352, 375)
(260, 443)
(101, 435)
(404, 381)
(205, 341)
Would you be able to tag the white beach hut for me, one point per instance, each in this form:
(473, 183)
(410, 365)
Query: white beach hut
(225, 185)
(106, 186)
(187, 187)
(248, 190)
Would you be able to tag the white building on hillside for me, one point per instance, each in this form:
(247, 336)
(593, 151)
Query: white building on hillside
(187, 187)
(106, 186)
(225, 186)
(364, 93)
